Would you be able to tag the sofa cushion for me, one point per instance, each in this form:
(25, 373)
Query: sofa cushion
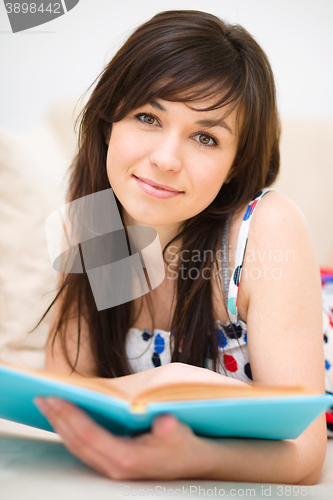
(32, 168)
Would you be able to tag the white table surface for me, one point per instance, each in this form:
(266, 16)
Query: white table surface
(34, 465)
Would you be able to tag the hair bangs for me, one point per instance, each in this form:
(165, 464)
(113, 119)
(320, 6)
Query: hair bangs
(174, 87)
(184, 65)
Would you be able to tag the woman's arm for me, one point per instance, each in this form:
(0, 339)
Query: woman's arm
(281, 284)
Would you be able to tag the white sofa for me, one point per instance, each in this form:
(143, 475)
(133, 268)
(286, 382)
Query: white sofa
(33, 165)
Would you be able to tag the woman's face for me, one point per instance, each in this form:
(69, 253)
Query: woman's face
(187, 154)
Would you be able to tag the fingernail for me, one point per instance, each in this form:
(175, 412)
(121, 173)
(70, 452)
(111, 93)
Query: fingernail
(41, 404)
(55, 404)
(47, 404)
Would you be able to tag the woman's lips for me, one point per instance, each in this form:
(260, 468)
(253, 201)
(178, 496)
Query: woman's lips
(161, 191)
(156, 184)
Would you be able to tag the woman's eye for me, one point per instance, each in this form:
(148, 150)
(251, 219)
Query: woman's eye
(206, 140)
(148, 119)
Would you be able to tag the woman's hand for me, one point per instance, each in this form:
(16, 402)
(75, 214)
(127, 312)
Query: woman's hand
(169, 451)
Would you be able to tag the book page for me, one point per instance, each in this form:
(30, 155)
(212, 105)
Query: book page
(178, 381)
(173, 382)
(193, 391)
(106, 386)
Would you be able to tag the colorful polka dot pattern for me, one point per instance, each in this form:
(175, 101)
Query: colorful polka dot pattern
(327, 292)
(159, 345)
(153, 350)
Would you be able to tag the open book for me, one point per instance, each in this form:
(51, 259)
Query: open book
(216, 410)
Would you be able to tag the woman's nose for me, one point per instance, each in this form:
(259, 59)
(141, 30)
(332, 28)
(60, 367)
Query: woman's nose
(166, 154)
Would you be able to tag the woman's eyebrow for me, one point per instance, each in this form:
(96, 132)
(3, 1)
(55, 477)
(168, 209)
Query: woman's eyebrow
(219, 122)
(214, 123)
(156, 105)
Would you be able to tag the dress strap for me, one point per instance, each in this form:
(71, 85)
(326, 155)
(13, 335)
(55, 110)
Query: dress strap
(239, 258)
(225, 260)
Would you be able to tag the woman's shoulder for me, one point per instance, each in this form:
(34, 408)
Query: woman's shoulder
(272, 213)
(278, 237)
(274, 201)
(270, 207)
(278, 234)
(276, 218)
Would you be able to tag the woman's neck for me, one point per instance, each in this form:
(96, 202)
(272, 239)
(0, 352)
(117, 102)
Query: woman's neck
(165, 233)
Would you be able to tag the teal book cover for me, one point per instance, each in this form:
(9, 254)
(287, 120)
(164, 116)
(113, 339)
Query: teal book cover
(264, 416)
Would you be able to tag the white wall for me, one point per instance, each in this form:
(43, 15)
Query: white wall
(63, 57)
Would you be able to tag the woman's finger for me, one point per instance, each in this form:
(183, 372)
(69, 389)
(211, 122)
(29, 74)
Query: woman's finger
(84, 438)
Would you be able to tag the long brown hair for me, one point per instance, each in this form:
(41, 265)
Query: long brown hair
(177, 56)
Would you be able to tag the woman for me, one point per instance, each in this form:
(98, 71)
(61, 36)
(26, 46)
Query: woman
(188, 105)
